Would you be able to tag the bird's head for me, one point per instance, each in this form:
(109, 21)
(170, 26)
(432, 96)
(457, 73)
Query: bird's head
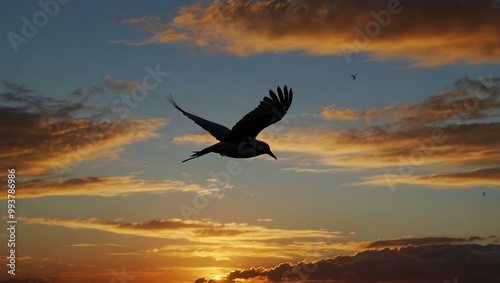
(265, 149)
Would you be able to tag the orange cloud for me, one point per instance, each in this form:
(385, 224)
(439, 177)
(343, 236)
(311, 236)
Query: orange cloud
(193, 230)
(469, 99)
(330, 113)
(489, 177)
(43, 135)
(104, 186)
(428, 34)
(198, 139)
(208, 239)
(119, 86)
(376, 147)
(96, 245)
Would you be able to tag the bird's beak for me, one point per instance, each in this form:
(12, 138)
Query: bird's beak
(270, 153)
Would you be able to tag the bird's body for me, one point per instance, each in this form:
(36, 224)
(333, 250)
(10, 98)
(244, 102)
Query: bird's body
(353, 76)
(235, 149)
(240, 141)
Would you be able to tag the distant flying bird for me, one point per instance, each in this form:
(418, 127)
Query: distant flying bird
(353, 76)
(240, 141)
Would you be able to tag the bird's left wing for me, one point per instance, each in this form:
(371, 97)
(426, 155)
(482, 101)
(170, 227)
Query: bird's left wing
(218, 131)
(269, 111)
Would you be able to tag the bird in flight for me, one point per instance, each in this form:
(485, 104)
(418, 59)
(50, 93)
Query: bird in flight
(240, 141)
(353, 76)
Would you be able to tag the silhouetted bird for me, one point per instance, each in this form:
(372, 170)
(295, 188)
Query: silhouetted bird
(240, 141)
(353, 76)
(484, 193)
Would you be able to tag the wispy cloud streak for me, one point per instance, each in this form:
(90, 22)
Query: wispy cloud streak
(201, 231)
(104, 186)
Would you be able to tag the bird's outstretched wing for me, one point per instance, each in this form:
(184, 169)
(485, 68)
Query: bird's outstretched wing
(218, 131)
(270, 110)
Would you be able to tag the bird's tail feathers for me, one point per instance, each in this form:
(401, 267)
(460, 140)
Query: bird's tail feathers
(195, 155)
(213, 148)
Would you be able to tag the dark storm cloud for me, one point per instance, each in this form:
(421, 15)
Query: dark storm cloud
(424, 241)
(470, 263)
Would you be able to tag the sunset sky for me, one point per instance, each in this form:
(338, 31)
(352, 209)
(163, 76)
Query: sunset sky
(392, 177)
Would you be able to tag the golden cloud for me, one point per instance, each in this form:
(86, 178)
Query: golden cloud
(469, 99)
(330, 113)
(119, 86)
(489, 177)
(193, 230)
(376, 147)
(104, 186)
(429, 34)
(206, 239)
(43, 135)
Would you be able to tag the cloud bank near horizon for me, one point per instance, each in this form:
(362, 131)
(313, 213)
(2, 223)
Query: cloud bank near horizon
(413, 264)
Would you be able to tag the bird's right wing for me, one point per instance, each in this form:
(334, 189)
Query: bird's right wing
(269, 111)
(216, 130)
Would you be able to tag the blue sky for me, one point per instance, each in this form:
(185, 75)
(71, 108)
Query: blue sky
(120, 201)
